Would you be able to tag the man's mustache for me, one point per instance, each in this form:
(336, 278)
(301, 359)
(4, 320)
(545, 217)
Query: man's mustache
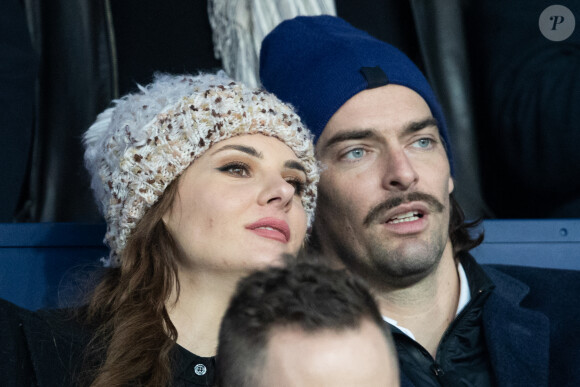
(375, 213)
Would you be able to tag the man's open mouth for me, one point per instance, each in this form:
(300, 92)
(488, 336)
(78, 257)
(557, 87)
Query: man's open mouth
(405, 217)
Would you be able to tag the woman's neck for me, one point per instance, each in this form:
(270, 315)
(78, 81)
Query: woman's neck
(197, 314)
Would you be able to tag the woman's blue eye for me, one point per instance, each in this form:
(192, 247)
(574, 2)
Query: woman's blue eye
(355, 154)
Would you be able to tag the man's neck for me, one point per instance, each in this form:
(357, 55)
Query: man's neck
(427, 307)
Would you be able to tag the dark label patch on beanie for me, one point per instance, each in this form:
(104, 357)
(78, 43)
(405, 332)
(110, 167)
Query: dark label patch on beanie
(375, 76)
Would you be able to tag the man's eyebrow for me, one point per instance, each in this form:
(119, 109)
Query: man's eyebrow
(293, 164)
(356, 134)
(242, 148)
(418, 125)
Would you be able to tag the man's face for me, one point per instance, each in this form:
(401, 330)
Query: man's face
(350, 357)
(383, 207)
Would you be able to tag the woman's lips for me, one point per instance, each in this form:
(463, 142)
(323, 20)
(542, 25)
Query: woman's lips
(271, 228)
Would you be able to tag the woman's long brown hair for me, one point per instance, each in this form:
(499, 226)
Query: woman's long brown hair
(134, 332)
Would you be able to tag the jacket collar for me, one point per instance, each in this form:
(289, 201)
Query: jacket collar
(517, 338)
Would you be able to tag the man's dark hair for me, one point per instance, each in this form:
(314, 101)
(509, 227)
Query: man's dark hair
(307, 296)
(461, 233)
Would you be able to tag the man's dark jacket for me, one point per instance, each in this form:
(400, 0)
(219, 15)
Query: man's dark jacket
(531, 323)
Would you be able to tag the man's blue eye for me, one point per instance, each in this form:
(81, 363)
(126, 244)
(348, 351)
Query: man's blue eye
(424, 143)
(355, 153)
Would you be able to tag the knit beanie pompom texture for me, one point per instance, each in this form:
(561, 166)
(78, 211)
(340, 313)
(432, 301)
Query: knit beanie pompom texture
(136, 148)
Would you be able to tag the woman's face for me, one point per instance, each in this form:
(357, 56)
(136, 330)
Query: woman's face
(238, 207)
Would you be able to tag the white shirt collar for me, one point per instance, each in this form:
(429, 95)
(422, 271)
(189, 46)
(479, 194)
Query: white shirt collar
(464, 298)
(464, 291)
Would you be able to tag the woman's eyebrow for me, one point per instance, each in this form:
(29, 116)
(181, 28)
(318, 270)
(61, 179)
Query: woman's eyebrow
(242, 148)
(293, 164)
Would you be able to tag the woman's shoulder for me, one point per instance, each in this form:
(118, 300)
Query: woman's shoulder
(9, 310)
(67, 323)
(15, 362)
(56, 338)
(11, 314)
(12, 319)
(49, 344)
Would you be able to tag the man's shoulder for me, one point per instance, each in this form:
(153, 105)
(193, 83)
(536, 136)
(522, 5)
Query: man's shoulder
(553, 296)
(554, 292)
(539, 280)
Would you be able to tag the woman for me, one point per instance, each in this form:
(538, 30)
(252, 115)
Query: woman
(201, 180)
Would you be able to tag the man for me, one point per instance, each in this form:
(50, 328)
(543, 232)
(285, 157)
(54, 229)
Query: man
(305, 326)
(386, 211)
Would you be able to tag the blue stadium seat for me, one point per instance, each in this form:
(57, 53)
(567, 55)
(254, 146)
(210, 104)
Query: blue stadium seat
(41, 264)
(551, 243)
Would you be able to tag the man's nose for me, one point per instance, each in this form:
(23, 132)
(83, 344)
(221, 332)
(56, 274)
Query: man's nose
(399, 173)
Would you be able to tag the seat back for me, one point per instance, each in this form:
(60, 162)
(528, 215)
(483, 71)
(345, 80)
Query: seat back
(551, 243)
(45, 264)
(40, 263)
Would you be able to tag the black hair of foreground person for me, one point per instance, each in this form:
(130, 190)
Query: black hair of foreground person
(309, 299)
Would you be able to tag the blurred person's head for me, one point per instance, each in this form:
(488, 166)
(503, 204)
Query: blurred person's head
(304, 325)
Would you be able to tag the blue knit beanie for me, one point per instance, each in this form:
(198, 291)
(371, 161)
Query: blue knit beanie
(317, 63)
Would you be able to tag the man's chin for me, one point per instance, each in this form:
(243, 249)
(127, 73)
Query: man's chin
(406, 265)
(408, 277)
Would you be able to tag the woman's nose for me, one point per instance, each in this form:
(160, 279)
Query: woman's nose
(277, 191)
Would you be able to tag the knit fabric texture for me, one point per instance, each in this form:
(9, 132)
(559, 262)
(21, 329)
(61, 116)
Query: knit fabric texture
(317, 63)
(136, 148)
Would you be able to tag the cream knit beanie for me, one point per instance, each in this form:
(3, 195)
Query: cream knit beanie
(136, 148)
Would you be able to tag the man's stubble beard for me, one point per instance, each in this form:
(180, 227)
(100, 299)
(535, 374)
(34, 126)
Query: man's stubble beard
(382, 264)
(403, 266)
